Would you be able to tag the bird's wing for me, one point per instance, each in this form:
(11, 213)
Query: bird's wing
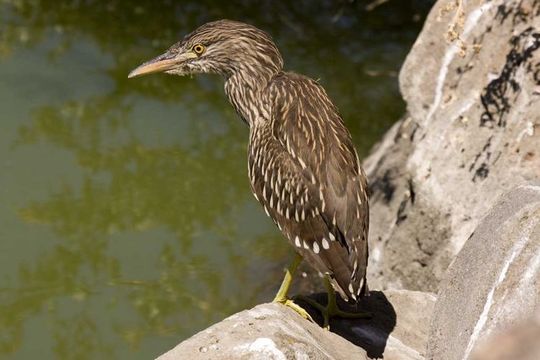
(316, 154)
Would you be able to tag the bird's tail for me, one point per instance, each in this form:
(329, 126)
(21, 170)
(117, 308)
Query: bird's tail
(347, 295)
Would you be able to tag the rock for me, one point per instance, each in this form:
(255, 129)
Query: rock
(519, 342)
(414, 309)
(268, 331)
(398, 329)
(471, 134)
(272, 331)
(494, 281)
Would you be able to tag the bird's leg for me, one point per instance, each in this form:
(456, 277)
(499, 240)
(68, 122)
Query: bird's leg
(331, 309)
(281, 296)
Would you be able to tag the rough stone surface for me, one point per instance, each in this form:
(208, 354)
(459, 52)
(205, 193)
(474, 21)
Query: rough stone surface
(397, 331)
(494, 281)
(414, 309)
(519, 342)
(268, 331)
(471, 134)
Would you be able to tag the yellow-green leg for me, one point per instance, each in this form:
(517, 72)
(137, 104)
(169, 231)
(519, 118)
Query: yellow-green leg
(331, 309)
(281, 296)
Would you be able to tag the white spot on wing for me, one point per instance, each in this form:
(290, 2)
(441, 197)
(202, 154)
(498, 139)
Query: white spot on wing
(325, 244)
(297, 242)
(316, 248)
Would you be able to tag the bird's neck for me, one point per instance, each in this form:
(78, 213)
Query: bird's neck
(247, 92)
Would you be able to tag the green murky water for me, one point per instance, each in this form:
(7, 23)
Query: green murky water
(126, 220)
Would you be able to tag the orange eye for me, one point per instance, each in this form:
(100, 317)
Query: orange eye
(198, 49)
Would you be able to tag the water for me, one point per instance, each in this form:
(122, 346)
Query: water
(126, 220)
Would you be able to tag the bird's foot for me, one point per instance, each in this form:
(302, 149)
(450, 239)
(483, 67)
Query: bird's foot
(291, 304)
(332, 310)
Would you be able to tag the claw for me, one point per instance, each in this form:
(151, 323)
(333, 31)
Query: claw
(328, 311)
(332, 310)
(291, 304)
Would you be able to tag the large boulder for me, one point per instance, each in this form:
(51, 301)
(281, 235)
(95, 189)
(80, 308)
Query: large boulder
(471, 134)
(494, 281)
(397, 331)
(268, 331)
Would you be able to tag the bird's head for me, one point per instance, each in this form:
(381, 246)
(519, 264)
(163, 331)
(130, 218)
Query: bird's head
(224, 47)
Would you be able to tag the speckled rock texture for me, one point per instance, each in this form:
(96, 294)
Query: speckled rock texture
(397, 331)
(494, 281)
(268, 331)
(471, 134)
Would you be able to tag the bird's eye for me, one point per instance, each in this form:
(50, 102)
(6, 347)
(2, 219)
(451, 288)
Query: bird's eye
(198, 49)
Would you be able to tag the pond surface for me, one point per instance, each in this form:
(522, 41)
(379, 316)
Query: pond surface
(126, 219)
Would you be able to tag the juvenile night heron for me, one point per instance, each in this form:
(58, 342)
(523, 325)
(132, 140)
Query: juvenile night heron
(302, 164)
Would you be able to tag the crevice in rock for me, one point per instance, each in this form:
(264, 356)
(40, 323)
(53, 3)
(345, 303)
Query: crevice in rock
(501, 92)
(519, 13)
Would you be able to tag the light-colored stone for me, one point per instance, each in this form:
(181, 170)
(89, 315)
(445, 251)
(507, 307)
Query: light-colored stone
(268, 331)
(397, 331)
(472, 133)
(414, 310)
(494, 281)
(519, 342)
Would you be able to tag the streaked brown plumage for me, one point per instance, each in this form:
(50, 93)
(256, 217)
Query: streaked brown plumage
(302, 164)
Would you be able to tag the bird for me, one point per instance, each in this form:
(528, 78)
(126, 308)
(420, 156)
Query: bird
(302, 165)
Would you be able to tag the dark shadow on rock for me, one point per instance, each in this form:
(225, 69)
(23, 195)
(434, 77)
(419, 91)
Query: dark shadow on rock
(370, 334)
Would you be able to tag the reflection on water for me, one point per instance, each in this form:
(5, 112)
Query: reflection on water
(125, 214)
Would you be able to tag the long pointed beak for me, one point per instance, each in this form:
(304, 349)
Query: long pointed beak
(161, 63)
(155, 65)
